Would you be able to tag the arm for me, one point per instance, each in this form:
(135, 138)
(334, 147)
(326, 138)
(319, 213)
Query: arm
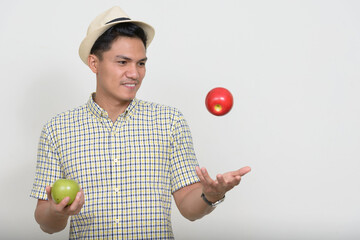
(189, 201)
(53, 217)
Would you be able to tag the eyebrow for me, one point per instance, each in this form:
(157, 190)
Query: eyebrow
(129, 59)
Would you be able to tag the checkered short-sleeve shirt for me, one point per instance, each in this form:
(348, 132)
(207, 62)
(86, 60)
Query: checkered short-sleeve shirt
(127, 169)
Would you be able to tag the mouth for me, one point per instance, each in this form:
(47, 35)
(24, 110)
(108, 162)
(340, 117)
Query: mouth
(130, 85)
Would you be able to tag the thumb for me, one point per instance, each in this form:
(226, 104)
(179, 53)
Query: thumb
(48, 192)
(243, 171)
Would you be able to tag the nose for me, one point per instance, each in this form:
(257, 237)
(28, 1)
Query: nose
(132, 71)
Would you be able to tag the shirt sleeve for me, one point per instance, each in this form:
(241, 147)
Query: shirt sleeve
(48, 168)
(183, 158)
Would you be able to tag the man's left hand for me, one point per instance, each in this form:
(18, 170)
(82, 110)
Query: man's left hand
(215, 190)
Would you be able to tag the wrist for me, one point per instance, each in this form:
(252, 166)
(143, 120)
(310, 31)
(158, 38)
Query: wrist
(214, 198)
(212, 201)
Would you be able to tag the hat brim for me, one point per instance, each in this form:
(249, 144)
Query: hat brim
(89, 40)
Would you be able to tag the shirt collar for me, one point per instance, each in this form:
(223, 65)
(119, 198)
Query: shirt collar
(101, 113)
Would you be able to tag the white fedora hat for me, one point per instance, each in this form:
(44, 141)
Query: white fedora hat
(103, 22)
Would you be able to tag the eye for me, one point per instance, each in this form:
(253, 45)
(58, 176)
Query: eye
(121, 62)
(142, 64)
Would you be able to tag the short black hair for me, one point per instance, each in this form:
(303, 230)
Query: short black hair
(128, 29)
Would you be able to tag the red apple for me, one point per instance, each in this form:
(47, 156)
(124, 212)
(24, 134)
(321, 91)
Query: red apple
(219, 101)
(64, 188)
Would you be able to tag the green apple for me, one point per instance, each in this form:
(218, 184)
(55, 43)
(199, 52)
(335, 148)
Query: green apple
(63, 188)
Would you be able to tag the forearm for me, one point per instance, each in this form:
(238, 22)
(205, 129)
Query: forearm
(49, 222)
(192, 206)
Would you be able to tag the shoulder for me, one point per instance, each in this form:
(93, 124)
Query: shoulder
(163, 116)
(65, 119)
(158, 109)
(159, 113)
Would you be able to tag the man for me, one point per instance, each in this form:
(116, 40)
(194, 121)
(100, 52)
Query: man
(129, 156)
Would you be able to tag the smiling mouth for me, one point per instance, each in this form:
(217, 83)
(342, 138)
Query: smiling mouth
(130, 85)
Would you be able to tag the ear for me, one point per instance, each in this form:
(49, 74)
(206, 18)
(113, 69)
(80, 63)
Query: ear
(93, 63)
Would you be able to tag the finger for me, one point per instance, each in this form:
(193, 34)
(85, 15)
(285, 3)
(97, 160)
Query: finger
(197, 170)
(48, 192)
(79, 200)
(221, 180)
(76, 204)
(207, 178)
(242, 171)
(200, 175)
(61, 205)
(82, 199)
(235, 181)
(229, 183)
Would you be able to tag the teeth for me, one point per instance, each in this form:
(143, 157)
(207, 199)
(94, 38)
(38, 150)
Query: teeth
(130, 85)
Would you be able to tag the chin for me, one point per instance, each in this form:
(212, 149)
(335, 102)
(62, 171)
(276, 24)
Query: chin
(127, 99)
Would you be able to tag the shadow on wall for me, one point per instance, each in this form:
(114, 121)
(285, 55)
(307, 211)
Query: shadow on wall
(32, 98)
(51, 93)
(43, 98)
(47, 95)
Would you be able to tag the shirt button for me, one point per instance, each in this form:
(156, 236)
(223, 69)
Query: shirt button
(117, 220)
(116, 160)
(117, 190)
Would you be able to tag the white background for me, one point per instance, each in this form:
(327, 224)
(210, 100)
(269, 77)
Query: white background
(292, 66)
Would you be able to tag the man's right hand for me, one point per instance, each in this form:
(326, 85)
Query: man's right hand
(62, 208)
(53, 217)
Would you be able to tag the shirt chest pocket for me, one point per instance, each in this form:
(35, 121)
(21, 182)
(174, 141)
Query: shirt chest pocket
(145, 156)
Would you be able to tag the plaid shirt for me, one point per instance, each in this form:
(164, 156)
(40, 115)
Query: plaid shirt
(127, 169)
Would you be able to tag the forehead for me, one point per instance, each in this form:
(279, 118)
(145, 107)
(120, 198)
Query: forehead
(127, 46)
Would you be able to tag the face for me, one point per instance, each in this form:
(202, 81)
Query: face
(120, 72)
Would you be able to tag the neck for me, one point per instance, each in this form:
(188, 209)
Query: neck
(113, 107)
